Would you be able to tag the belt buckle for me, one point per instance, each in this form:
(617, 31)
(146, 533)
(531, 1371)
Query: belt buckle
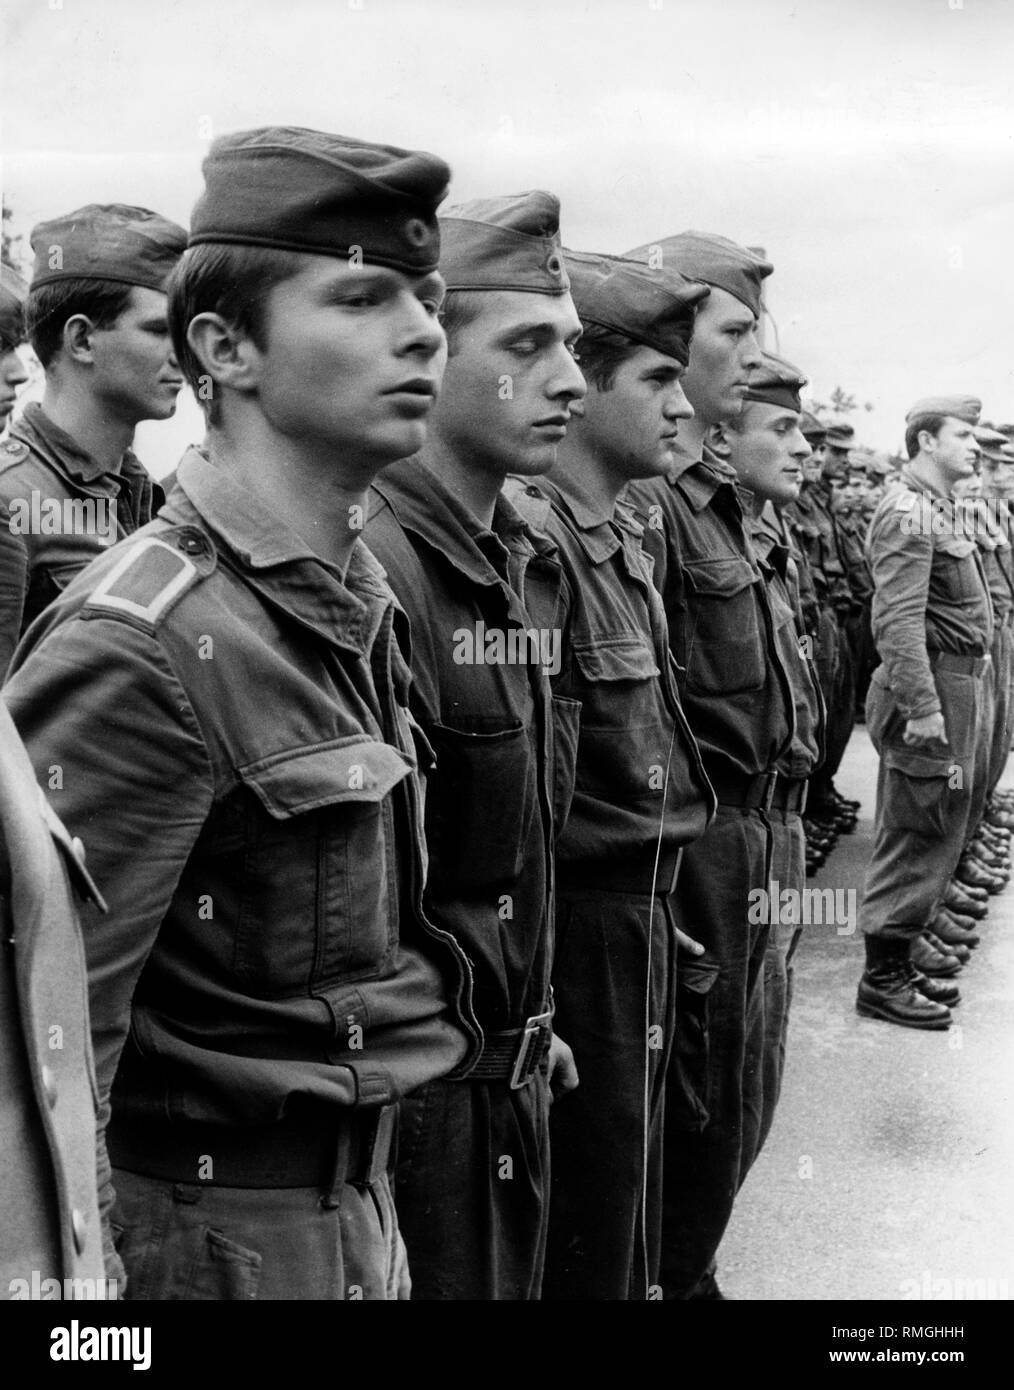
(374, 1145)
(769, 794)
(529, 1053)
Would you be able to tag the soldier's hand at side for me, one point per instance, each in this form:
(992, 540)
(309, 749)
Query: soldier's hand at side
(562, 1072)
(930, 728)
(687, 943)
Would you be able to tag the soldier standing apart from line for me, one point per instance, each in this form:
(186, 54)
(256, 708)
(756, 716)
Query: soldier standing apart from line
(767, 451)
(927, 707)
(96, 319)
(739, 701)
(640, 791)
(473, 1154)
(222, 701)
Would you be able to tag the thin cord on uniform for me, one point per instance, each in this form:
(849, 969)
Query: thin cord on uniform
(647, 1017)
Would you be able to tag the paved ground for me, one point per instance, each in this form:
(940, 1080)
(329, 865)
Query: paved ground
(889, 1173)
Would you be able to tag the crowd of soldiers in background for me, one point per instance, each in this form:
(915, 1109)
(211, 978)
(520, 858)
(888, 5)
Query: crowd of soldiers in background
(843, 483)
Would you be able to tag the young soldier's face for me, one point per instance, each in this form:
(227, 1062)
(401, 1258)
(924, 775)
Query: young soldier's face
(632, 424)
(955, 449)
(768, 451)
(968, 487)
(813, 465)
(510, 383)
(723, 353)
(836, 464)
(135, 372)
(353, 358)
(12, 375)
(997, 479)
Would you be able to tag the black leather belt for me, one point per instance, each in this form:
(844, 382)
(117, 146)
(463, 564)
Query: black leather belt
(353, 1148)
(960, 665)
(515, 1054)
(790, 794)
(622, 877)
(767, 791)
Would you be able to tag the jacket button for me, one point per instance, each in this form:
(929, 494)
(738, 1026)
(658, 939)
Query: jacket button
(49, 1086)
(80, 1230)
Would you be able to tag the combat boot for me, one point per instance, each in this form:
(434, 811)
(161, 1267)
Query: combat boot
(939, 991)
(888, 990)
(949, 931)
(853, 805)
(972, 875)
(985, 854)
(929, 961)
(947, 948)
(1000, 839)
(963, 902)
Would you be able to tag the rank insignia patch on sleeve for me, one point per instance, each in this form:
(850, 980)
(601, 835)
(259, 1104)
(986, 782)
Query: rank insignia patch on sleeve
(145, 581)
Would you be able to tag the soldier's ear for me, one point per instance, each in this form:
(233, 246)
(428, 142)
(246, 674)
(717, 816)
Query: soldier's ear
(229, 356)
(77, 338)
(718, 440)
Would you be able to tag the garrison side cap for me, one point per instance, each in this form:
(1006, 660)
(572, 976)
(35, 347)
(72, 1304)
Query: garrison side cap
(13, 290)
(776, 382)
(994, 444)
(107, 241)
(878, 465)
(506, 243)
(812, 429)
(295, 189)
(655, 308)
(983, 434)
(840, 434)
(715, 260)
(967, 408)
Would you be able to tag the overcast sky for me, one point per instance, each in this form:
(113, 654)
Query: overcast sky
(866, 144)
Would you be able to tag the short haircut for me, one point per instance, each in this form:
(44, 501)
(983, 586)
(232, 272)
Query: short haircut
(232, 281)
(930, 423)
(459, 309)
(601, 352)
(48, 308)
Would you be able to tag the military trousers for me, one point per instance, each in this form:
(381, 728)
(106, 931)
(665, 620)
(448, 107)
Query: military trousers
(769, 1014)
(925, 797)
(1003, 725)
(200, 1241)
(840, 700)
(725, 1074)
(472, 1188)
(614, 986)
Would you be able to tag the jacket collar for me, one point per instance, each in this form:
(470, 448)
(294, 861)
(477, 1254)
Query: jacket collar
(346, 611)
(65, 454)
(596, 533)
(426, 507)
(917, 484)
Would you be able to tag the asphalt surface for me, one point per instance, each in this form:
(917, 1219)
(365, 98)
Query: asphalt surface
(889, 1172)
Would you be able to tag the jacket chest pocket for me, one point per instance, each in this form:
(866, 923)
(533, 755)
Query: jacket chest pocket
(625, 727)
(319, 897)
(725, 649)
(955, 569)
(479, 804)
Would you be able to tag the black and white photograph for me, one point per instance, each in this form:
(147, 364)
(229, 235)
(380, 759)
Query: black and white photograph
(507, 657)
